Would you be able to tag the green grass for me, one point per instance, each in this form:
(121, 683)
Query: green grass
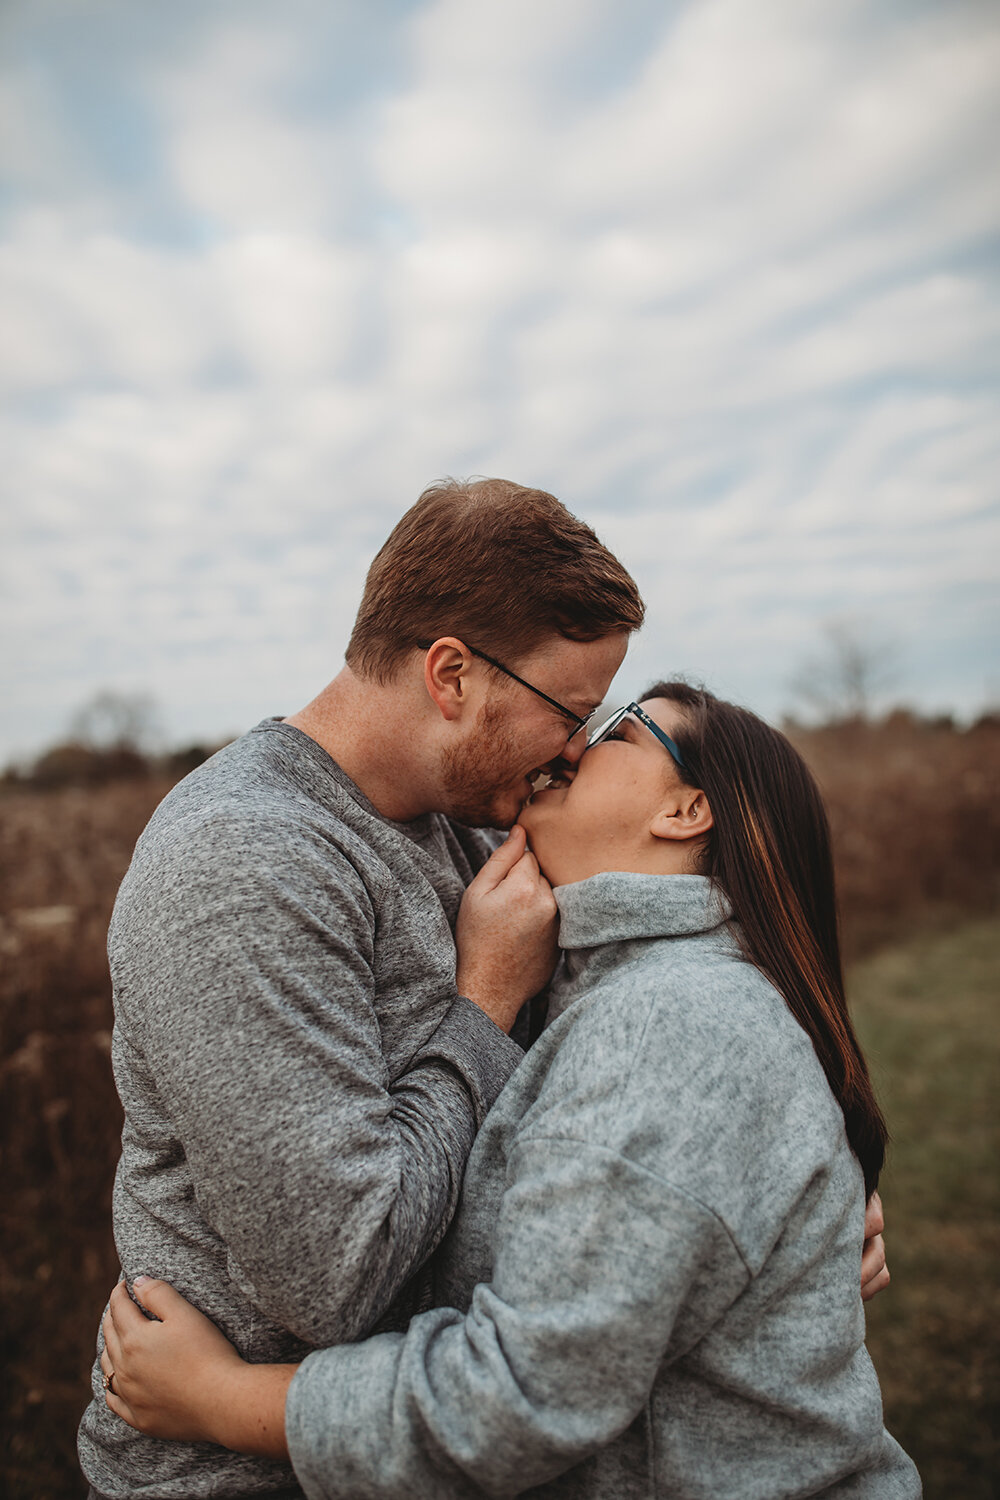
(927, 1016)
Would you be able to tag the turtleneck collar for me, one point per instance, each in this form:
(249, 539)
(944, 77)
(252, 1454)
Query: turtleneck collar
(609, 919)
(617, 906)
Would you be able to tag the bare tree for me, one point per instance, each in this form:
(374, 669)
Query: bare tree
(847, 675)
(112, 720)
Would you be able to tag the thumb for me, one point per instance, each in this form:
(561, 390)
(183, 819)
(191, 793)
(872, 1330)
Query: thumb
(503, 860)
(874, 1217)
(157, 1297)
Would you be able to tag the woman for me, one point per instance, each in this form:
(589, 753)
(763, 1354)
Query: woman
(650, 1287)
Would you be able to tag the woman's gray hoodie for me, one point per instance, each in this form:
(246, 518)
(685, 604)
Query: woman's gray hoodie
(651, 1286)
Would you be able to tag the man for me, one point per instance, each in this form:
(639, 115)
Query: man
(302, 1065)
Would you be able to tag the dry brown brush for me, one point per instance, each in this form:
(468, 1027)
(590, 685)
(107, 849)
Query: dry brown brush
(915, 813)
(62, 855)
(916, 818)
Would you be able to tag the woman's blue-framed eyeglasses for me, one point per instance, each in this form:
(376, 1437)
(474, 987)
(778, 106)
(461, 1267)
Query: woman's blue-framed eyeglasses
(610, 725)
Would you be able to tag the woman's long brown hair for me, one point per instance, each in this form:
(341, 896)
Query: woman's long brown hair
(769, 851)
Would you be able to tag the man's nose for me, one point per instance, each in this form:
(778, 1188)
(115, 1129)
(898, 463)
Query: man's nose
(574, 748)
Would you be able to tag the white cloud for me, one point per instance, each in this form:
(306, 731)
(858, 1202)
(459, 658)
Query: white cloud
(232, 152)
(733, 306)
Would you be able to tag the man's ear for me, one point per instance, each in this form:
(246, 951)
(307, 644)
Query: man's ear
(686, 816)
(446, 669)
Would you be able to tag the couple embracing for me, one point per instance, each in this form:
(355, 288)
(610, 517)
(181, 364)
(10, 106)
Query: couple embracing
(441, 1237)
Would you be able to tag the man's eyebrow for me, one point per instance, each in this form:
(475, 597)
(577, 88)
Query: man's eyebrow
(573, 706)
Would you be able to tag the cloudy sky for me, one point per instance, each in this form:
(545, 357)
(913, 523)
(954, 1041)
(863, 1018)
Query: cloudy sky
(723, 275)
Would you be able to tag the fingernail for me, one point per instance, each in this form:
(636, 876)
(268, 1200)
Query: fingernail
(140, 1281)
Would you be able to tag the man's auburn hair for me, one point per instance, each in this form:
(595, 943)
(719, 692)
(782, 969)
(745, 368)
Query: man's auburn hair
(497, 565)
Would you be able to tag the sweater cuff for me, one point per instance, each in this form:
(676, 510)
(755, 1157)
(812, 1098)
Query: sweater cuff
(333, 1432)
(483, 1055)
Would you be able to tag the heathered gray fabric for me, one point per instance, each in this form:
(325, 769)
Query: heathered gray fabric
(302, 1082)
(652, 1281)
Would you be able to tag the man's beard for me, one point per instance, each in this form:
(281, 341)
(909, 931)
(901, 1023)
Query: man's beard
(478, 775)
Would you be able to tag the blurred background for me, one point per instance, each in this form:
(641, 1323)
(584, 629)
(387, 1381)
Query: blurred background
(722, 277)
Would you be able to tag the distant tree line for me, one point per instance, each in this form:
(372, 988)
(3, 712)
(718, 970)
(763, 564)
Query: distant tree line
(112, 737)
(116, 736)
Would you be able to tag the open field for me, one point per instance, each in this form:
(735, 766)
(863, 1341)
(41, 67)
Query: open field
(916, 817)
(927, 1015)
(62, 855)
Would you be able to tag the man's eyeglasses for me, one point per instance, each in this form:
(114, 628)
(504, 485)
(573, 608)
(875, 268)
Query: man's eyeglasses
(610, 725)
(577, 720)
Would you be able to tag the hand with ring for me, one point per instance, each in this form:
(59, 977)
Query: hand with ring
(171, 1373)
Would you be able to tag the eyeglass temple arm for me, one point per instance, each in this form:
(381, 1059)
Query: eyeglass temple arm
(580, 723)
(661, 735)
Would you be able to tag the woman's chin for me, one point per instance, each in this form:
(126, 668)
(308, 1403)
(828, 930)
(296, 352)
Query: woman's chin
(528, 823)
(528, 814)
(555, 862)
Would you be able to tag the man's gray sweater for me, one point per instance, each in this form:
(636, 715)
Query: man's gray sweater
(651, 1287)
(302, 1082)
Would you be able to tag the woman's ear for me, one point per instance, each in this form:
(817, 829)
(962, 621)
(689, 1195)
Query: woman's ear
(686, 816)
(446, 669)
